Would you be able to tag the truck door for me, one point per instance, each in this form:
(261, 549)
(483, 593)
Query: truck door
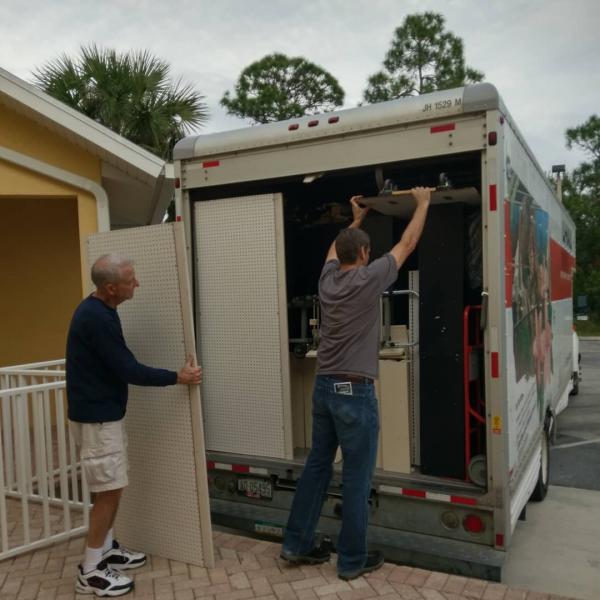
(165, 510)
(241, 315)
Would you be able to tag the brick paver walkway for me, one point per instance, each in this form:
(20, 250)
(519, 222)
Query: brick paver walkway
(245, 568)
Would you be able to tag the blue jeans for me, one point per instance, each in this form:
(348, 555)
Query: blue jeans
(352, 422)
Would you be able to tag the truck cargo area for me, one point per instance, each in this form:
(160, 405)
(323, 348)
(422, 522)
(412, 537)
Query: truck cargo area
(423, 402)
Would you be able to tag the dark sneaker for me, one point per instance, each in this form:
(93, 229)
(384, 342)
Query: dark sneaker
(103, 581)
(374, 561)
(121, 558)
(319, 554)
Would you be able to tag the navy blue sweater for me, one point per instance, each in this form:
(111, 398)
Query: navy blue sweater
(100, 365)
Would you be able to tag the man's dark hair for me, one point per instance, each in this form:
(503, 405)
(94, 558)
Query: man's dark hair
(348, 243)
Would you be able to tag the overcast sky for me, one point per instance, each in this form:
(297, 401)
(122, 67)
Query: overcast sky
(542, 55)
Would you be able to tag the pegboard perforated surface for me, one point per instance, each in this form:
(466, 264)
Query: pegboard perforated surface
(159, 511)
(241, 322)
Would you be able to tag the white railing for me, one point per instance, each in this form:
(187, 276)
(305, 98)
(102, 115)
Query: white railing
(43, 494)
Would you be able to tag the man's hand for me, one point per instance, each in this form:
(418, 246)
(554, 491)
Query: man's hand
(412, 233)
(190, 373)
(422, 195)
(358, 212)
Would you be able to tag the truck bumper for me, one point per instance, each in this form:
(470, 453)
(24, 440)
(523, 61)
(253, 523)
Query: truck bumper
(407, 548)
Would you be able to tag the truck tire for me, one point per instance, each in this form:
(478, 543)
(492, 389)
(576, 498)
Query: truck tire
(575, 389)
(541, 487)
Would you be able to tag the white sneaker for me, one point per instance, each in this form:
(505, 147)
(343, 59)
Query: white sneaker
(103, 581)
(121, 558)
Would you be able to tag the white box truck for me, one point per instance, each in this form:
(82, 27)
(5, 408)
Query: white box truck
(477, 348)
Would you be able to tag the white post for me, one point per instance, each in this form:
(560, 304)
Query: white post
(20, 400)
(40, 460)
(8, 437)
(27, 432)
(3, 515)
(73, 467)
(49, 442)
(62, 458)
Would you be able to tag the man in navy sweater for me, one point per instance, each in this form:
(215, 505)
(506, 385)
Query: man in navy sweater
(99, 368)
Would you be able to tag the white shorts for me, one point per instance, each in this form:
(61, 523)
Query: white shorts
(103, 450)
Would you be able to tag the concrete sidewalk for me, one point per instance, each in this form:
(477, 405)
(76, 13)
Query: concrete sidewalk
(245, 568)
(557, 547)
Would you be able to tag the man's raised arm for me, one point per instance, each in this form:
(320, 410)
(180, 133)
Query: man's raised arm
(358, 214)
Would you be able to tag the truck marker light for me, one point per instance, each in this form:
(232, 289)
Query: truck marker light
(500, 540)
(178, 218)
(293, 127)
(177, 183)
(497, 424)
(442, 128)
(333, 119)
(492, 138)
(207, 164)
(495, 365)
(473, 524)
(313, 123)
(493, 198)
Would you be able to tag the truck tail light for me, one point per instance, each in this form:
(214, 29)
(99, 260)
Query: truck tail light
(473, 524)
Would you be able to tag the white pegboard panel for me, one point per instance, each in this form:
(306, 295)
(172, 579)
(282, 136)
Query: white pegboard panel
(164, 510)
(242, 325)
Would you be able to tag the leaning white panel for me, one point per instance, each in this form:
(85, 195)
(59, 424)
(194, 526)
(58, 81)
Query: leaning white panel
(242, 325)
(165, 510)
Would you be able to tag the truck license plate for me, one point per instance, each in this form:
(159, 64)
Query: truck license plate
(255, 488)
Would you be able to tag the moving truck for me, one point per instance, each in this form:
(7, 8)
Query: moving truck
(477, 346)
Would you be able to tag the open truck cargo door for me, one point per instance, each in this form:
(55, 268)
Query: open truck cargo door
(241, 305)
(165, 510)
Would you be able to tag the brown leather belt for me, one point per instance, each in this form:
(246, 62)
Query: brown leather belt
(351, 378)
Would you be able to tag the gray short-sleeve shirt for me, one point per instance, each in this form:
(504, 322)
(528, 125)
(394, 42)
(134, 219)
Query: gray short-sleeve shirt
(350, 316)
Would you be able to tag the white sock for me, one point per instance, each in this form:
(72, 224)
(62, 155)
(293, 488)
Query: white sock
(108, 542)
(91, 559)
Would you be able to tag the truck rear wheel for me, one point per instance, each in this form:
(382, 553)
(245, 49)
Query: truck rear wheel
(541, 487)
(575, 389)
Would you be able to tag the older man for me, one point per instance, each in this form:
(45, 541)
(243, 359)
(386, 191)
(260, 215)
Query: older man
(99, 368)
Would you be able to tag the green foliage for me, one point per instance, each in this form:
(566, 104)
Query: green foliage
(130, 93)
(588, 328)
(277, 87)
(423, 57)
(586, 177)
(582, 199)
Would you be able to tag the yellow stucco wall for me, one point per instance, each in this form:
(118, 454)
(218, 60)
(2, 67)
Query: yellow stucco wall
(43, 227)
(24, 135)
(39, 269)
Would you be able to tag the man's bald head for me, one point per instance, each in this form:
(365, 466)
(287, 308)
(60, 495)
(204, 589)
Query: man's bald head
(108, 269)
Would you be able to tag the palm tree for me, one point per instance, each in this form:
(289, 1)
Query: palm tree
(129, 92)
